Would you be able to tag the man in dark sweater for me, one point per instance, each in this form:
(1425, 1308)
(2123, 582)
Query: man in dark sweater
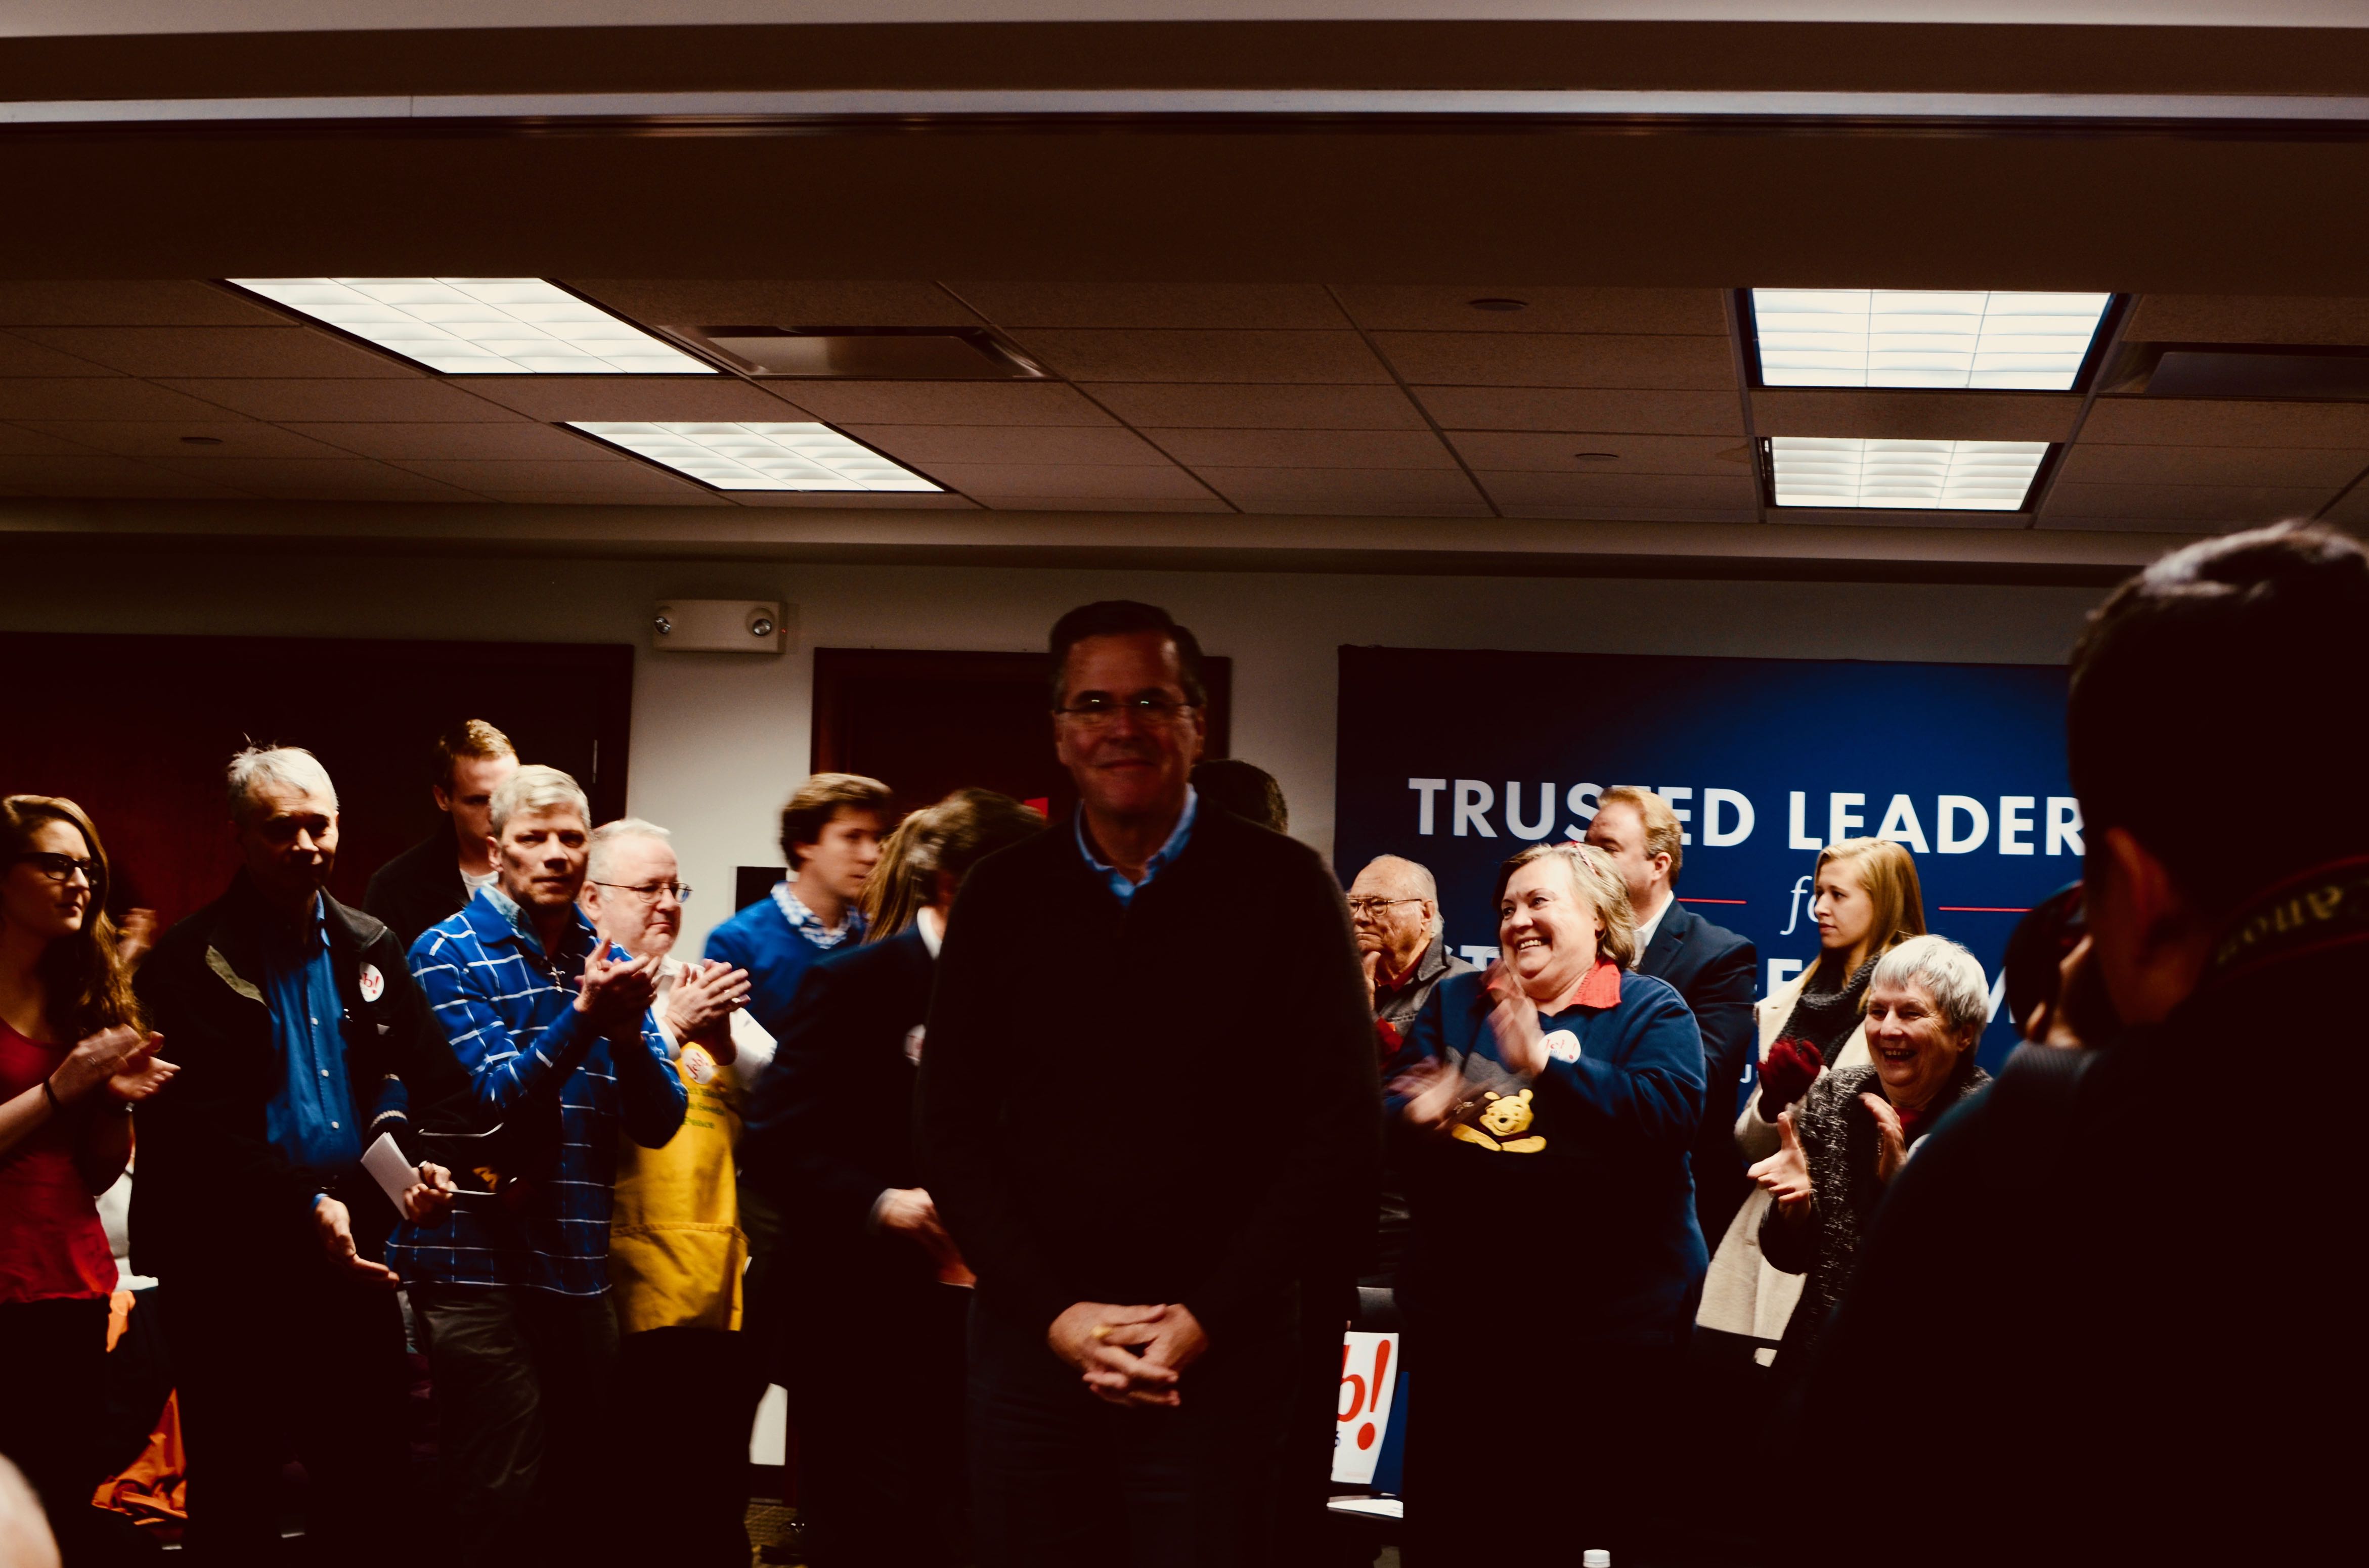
(2122, 1273)
(1149, 1081)
(434, 877)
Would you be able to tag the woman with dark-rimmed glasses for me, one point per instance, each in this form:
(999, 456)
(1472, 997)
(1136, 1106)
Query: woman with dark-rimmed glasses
(74, 1061)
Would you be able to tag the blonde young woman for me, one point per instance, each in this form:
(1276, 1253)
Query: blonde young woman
(1868, 903)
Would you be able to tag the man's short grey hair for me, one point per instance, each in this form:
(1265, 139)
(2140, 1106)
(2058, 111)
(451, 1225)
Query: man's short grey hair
(259, 765)
(1426, 885)
(601, 851)
(1946, 972)
(534, 789)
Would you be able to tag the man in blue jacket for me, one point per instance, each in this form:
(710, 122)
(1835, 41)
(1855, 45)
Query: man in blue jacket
(512, 1291)
(830, 835)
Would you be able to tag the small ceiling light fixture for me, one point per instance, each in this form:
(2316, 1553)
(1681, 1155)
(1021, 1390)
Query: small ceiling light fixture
(480, 326)
(202, 440)
(1597, 456)
(1818, 471)
(1922, 337)
(758, 456)
(1499, 303)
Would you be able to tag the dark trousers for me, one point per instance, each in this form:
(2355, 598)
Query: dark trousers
(531, 1459)
(299, 1364)
(52, 1391)
(1494, 1417)
(1062, 1480)
(681, 1399)
(881, 1478)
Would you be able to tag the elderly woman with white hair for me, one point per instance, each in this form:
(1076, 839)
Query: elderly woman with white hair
(1926, 1006)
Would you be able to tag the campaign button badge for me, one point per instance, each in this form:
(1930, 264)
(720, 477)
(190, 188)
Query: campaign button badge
(373, 984)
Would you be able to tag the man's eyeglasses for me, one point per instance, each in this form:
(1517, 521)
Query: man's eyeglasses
(61, 868)
(650, 892)
(1372, 907)
(1095, 711)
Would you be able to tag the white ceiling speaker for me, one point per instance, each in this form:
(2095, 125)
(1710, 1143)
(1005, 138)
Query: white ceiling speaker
(721, 626)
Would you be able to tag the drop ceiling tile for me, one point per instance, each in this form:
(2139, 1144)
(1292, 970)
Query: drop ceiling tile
(557, 397)
(469, 439)
(1203, 502)
(356, 400)
(621, 476)
(924, 445)
(2297, 466)
(683, 494)
(21, 356)
(1534, 451)
(161, 438)
(2213, 506)
(1307, 449)
(1348, 492)
(1674, 491)
(1579, 511)
(1182, 405)
(1560, 358)
(1253, 356)
(1016, 306)
(103, 475)
(318, 478)
(1385, 307)
(1549, 408)
(159, 351)
(25, 440)
(845, 403)
(2179, 421)
(133, 303)
(2352, 509)
(1916, 416)
(997, 482)
(774, 302)
(2242, 318)
(96, 397)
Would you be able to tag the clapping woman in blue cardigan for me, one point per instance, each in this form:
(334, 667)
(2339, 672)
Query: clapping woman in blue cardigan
(1547, 1105)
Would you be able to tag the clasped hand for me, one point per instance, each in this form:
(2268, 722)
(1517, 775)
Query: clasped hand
(705, 996)
(1129, 1356)
(614, 994)
(118, 1058)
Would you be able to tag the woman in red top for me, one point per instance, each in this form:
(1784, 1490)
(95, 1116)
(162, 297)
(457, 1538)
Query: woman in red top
(65, 1135)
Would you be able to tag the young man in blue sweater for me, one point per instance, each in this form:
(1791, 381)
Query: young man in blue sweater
(830, 835)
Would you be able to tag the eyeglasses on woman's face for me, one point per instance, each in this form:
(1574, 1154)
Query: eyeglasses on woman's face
(651, 892)
(61, 868)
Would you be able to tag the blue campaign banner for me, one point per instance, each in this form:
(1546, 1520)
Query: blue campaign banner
(1456, 758)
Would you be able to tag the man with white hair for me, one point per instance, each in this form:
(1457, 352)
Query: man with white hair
(512, 1291)
(301, 1038)
(676, 1248)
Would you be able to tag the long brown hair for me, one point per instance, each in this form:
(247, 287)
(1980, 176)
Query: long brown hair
(951, 836)
(86, 988)
(1888, 872)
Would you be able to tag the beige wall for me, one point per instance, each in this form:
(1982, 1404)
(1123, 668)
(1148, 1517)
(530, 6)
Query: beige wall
(718, 739)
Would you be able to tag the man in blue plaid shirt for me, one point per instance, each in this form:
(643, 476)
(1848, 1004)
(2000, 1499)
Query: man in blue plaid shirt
(511, 1293)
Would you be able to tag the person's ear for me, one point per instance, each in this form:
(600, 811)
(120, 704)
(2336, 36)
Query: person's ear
(444, 797)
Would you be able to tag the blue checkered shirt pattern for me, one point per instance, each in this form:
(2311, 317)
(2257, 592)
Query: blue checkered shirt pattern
(511, 1015)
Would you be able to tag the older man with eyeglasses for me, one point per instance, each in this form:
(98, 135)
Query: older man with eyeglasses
(676, 1249)
(1150, 1082)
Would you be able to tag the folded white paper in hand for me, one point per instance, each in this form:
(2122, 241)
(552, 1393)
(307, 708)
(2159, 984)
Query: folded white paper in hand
(394, 1174)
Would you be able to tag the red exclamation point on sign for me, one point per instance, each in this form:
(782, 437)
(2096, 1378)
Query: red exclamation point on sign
(1368, 1433)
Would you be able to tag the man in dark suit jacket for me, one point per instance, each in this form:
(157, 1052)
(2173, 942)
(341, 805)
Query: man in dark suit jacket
(300, 1040)
(881, 1479)
(1711, 966)
(1150, 1082)
(432, 879)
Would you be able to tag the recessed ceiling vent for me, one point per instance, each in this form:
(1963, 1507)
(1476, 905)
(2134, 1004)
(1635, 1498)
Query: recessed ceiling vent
(2293, 372)
(875, 353)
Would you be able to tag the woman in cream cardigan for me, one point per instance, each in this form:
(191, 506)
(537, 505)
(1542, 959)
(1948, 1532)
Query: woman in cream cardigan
(1868, 902)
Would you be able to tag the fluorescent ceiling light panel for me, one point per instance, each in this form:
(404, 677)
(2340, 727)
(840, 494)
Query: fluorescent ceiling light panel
(481, 326)
(1818, 471)
(1910, 338)
(767, 456)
